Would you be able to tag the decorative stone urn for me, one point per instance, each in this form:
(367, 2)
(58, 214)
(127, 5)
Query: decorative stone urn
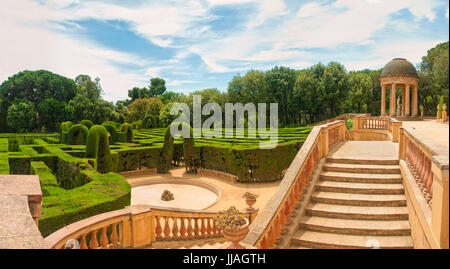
(236, 235)
(233, 225)
(250, 199)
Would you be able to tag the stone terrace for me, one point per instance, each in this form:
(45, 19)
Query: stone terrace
(20, 207)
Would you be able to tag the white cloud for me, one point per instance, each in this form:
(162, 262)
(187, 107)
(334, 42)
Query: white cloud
(310, 10)
(31, 47)
(377, 58)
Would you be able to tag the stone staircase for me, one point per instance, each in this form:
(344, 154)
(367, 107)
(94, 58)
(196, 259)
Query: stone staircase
(356, 203)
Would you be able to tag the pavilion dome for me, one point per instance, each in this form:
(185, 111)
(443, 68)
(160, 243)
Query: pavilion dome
(399, 67)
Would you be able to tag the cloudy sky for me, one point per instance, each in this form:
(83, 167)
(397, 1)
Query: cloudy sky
(200, 44)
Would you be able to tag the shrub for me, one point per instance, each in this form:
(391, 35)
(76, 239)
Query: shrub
(149, 122)
(64, 129)
(136, 124)
(77, 135)
(128, 130)
(87, 123)
(98, 147)
(191, 154)
(13, 144)
(116, 136)
(61, 207)
(167, 152)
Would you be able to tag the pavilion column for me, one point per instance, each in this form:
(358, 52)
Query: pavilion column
(407, 100)
(383, 100)
(392, 101)
(414, 100)
(403, 101)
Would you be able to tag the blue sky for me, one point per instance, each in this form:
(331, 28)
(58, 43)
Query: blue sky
(200, 44)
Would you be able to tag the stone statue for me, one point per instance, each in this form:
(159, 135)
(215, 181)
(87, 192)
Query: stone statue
(399, 108)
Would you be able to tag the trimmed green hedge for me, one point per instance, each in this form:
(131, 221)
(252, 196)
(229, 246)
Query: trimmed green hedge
(98, 147)
(149, 122)
(87, 123)
(128, 130)
(77, 135)
(61, 207)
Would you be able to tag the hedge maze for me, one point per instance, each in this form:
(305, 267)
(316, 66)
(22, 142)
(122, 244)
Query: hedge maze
(78, 167)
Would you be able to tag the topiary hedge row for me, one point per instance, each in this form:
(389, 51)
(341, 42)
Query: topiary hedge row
(61, 207)
(77, 135)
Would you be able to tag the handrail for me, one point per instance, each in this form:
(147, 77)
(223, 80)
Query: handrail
(268, 225)
(139, 225)
(425, 170)
(418, 152)
(378, 123)
(344, 117)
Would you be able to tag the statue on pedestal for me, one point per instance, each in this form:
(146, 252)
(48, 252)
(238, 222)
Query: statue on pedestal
(399, 107)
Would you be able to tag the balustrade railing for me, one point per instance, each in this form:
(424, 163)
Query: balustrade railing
(271, 222)
(138, 226)
(424, 165)
(375, 123)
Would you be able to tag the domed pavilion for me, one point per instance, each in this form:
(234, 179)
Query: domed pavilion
(399, 73)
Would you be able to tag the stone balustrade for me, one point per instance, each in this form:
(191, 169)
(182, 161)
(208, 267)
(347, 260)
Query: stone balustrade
(376, 128)
(270, 223)
(424, 166)
(138, 226)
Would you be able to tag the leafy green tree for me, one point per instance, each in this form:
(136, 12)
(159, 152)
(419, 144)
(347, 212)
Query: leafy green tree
(142, 107)
(360, 90)
(22, 116)
(51, 112)
(280, 84)
(157, 87)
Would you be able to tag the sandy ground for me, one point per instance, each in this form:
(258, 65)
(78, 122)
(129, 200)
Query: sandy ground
(231, 192)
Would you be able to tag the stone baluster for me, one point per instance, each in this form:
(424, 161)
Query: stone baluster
(183, 231)
(83, 244)
(114, 236)
(166, 228)
(175, 235)
(93, 244)
(190, 230)
(158, 228)
(209, 229)
(203, 228)
(104, 238)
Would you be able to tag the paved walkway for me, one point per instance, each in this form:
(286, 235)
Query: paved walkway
(366, 150)
(231, 192)
(439, 132)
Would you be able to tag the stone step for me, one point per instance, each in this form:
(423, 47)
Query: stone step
(361, 178)
(363, 188)
(364, 160)
(358, 199)
(357, 212)
(361, 168)
(356, 227)
(311, 239)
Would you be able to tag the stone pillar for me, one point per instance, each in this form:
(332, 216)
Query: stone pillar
(392, 101)
(383, 100)
(438, 114)
(414, 101)
(407, 100)
(439, 214)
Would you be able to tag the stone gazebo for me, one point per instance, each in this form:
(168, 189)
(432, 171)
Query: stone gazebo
(399, 73)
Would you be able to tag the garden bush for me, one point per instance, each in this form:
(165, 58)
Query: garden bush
(149, 122)
(128, 130)
(61, 207)
(77, 135)
(98, 147)
(87, 123)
